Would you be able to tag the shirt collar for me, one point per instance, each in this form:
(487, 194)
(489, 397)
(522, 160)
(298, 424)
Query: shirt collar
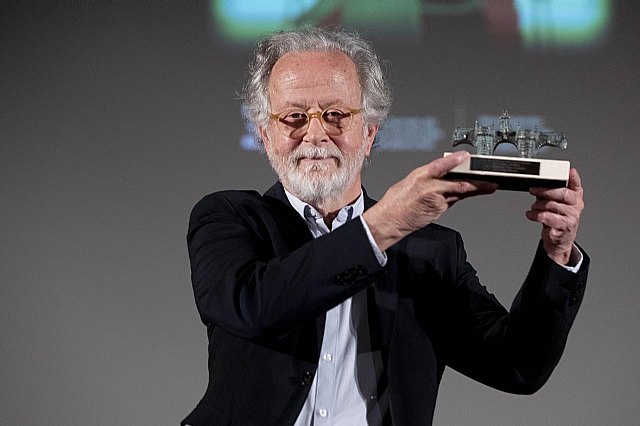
(348, 212)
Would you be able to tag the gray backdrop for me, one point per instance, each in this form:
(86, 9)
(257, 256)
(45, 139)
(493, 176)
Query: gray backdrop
(115, 118)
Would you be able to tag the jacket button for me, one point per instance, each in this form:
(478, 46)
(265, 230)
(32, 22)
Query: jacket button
(576, 293)
(350, 275)
(307, 378)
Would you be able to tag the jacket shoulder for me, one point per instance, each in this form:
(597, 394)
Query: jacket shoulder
(228, 201)
(224, 198)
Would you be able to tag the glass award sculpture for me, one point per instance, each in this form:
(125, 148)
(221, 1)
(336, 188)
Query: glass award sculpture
(512, 173)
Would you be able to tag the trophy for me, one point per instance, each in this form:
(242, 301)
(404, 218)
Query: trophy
(511, 173)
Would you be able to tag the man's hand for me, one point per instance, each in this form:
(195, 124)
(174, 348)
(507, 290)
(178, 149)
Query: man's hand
(558, 210)
(419, 199)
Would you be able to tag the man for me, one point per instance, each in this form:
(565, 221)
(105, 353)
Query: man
(325, 307)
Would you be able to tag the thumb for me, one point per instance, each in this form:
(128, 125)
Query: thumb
(441, 166)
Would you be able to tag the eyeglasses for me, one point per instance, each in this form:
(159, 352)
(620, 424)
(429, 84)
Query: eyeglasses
(335, 120)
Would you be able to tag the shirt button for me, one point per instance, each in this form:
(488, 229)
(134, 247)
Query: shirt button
(323, 412)
(327, 357)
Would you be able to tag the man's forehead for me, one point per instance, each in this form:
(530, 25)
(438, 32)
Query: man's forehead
(325, 64)
(307, 70)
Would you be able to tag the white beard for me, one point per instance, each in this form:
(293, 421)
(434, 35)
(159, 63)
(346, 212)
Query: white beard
(317, 183)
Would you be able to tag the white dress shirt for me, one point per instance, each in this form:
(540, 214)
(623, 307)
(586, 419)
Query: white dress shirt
(344, 391)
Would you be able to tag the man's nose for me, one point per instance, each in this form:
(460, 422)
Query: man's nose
(315, 131)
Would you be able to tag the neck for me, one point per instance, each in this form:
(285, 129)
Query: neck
(329, 207)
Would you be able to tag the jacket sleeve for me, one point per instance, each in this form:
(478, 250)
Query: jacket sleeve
(516, 350)
(249, 279)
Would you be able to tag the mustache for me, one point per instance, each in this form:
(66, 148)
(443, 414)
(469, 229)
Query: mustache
(316, 152)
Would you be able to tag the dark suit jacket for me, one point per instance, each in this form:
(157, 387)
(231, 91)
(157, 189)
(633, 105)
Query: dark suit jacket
(262, 285)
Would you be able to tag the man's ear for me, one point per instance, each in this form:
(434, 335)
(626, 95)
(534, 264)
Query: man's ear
(264, 135)
(370, 136)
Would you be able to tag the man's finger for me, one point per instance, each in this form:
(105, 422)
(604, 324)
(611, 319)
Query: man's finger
(575, 183)
(441, 166)
(458, 190)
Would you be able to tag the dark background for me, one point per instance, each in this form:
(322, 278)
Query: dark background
(116, 117)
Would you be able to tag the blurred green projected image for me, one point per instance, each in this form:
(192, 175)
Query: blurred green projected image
(565, 24)
(243, 21)
(536, 23)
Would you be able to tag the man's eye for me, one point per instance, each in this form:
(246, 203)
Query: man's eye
(334, 115)
(294, 118)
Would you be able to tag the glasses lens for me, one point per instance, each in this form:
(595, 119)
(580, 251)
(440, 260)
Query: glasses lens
(292, 122)
(336, 121)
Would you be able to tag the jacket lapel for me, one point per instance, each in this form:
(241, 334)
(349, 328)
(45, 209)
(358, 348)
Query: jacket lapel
(297, 230)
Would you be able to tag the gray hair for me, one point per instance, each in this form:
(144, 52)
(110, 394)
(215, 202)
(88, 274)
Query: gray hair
(376, 96)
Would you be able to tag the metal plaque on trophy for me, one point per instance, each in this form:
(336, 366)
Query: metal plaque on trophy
(511, 173)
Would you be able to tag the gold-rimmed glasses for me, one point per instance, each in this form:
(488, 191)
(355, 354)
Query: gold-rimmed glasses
(294, 122)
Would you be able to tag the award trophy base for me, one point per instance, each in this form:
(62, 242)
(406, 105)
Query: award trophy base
(512, 173)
